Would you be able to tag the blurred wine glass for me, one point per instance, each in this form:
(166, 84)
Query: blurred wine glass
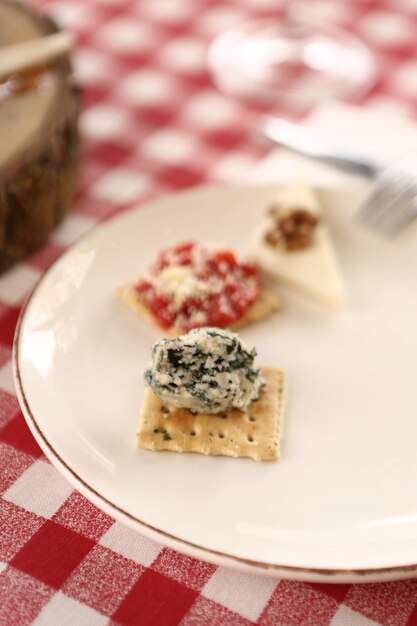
(295, 60)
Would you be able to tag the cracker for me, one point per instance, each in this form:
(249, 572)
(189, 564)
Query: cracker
(265, 304)
(128, 295)
(255, 433)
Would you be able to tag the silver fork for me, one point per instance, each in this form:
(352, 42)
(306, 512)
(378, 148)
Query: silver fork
(391, 204)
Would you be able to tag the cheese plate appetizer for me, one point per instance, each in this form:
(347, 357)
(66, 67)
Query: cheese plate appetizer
(78, 366)
(192, 285)
(293, 244)
(204, 394)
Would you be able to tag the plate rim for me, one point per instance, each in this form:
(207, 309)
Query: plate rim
(314, 574)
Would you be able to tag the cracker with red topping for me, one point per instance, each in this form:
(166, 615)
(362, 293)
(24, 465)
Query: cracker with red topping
(190, 286)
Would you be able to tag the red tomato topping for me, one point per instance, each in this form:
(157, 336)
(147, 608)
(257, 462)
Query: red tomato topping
(190, 286)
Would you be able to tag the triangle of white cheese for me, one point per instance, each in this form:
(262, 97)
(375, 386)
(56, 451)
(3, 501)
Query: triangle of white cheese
(313, 270)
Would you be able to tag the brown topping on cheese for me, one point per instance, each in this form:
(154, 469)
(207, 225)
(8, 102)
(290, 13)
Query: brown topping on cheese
(292, 229)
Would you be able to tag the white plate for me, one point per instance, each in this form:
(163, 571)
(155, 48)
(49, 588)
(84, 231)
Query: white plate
(341, 505)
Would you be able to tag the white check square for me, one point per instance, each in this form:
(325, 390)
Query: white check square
(120, 185)
(40, 489)
(6, 378)
(73, 227)
(211, 110)
(345, 616)
(245, 594)
(17, 282)
(105, 123)
(65, 611)
(130, 544)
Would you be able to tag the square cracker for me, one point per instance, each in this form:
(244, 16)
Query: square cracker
(266, 303)
(255, 433)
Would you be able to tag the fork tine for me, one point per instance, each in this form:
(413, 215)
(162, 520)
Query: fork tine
(379, 206)
(392, 203)
(391, 221)
(374, 207)
(402, 216)
(374, 204)
(387, 216)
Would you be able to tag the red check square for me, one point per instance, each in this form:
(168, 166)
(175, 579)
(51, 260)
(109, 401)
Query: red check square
(178, 177)
(156, 116)
(412, 618)
(5, 354)
(18, 435)
(338, 592)
(225, 139)
(155, 599)
(8, 323)
(52, 554)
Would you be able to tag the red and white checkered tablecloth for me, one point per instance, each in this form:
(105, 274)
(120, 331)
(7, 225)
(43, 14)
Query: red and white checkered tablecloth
(152, 123)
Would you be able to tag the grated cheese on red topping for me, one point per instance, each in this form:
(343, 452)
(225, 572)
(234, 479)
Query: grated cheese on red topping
(190, 286)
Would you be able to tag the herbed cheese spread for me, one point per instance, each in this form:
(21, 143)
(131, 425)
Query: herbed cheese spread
(207, 370)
